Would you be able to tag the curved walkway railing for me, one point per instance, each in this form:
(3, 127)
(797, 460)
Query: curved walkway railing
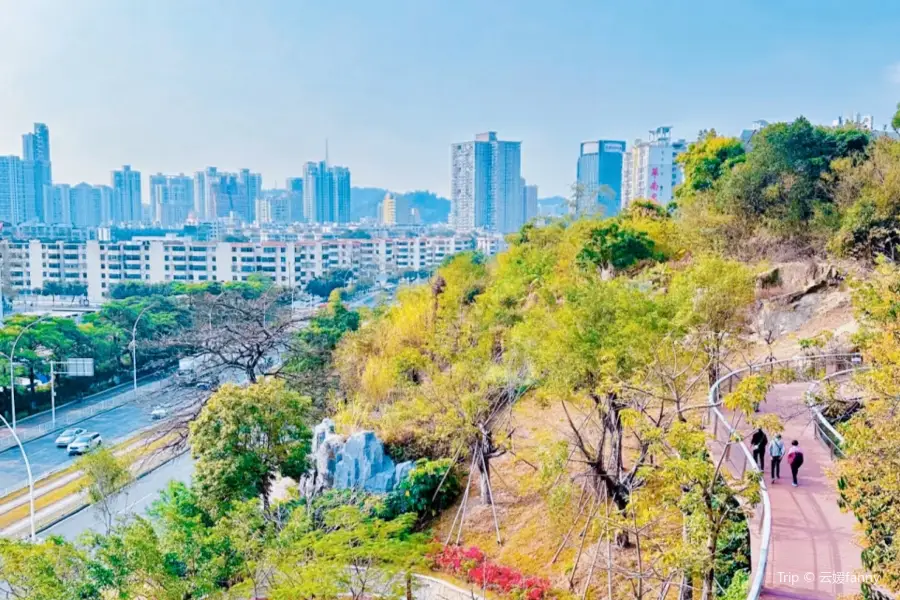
(805, 367)
(824, 430)
(834, 440)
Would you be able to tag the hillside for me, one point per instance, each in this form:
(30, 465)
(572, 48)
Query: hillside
(432, 208)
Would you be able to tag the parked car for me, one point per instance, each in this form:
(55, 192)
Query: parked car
(68, 436)
(85, 443)
(158, 412)
(204, 385)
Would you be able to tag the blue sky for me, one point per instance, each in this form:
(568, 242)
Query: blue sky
(175, 85)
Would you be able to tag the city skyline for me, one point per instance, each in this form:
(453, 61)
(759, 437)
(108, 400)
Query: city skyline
(179, 109)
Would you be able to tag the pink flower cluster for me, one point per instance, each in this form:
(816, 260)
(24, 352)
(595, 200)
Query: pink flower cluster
(472, 564)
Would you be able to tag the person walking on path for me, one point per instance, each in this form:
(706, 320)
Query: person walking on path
(758, 442)
(776, 452)
(795, 460)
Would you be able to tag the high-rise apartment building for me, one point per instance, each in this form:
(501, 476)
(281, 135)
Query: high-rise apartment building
(294, 187)
(250, 187)
(180, 201)
(171, 199)
(599, 178)
(326, 193)
(15, 191)
(274, 206)
(159, 195)
(107, 199)
(226, 196)
(128, 207)
(204, 210)
(649, 169)
(57, 205)
(388, 210)
(529, 200)
(486, 184)
(86, 205)
(220, 195)
(314, 192)
(36, 159)
(82, 205)
(341, 178)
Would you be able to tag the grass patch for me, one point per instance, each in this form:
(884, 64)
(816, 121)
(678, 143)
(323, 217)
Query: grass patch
(21, 512)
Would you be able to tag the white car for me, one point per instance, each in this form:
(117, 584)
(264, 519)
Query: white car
(68, 436)
(85, 443)
(158, 412)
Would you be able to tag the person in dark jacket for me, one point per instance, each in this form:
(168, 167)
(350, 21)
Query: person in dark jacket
(795, 460)
(758, 443)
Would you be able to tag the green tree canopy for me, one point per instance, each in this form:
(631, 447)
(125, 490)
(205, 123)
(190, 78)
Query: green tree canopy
(245, 436)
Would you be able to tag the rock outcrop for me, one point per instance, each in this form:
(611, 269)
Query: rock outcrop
(359, 462)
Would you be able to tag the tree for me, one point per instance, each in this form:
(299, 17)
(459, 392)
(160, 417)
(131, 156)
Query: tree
(132, 289)
(179, 552)
(244, 437)
(780, 180)
(613, 247)
(713, 296)
(309, 364)
(867, 193)
(895, 121)
(48, 570)
(707, 160)
(868, 478)
(106, 475)
(352, 553)
(240, 329)
(323, 286)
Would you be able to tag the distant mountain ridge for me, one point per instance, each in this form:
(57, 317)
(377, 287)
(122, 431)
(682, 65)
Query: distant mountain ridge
(432, 208)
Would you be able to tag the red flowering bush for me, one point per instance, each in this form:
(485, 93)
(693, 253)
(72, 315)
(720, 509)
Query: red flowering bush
(472, 564)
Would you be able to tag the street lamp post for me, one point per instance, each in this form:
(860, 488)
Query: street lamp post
(27, 469)
(134, 346)
(12, 374)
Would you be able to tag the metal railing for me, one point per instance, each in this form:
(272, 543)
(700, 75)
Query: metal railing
(824, 431)
(797, 369)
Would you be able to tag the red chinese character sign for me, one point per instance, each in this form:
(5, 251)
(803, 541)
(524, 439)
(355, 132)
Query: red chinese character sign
(654, 186)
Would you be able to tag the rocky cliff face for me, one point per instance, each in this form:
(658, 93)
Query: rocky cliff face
(799, 300)
(359, 462)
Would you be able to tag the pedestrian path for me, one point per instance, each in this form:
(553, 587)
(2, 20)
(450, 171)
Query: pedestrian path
(813, 552)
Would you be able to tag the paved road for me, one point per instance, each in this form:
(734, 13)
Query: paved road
(117, 423)
(114, 424)
(135, 500)
(28, 427)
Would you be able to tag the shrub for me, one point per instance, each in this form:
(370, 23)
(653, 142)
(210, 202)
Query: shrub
(472, 565)
(740, 585)
(430, 487)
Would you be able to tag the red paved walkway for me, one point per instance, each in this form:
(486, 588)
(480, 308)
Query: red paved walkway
(813, 550)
